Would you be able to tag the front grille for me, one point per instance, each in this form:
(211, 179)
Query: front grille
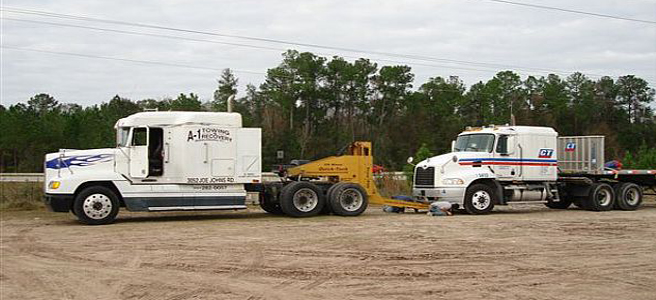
(425, 177)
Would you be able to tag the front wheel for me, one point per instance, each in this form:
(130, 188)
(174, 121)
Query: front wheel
(96, 205)
(479, 199)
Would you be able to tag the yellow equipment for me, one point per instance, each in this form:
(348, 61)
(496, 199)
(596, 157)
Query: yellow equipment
(353, 167)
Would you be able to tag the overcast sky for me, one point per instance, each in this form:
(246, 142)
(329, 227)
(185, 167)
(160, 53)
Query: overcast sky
(527, 40)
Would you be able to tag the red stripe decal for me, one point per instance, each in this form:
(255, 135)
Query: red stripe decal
(500, 163)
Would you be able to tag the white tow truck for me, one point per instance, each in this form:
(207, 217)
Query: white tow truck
(497, 165)
(171, 161)
(163, 161)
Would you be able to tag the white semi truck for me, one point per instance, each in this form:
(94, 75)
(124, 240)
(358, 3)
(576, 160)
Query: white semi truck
(167, 161)
(163, 161)
(497, 165)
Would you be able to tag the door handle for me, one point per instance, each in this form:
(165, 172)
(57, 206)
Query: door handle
(206, 152)
(168, 153)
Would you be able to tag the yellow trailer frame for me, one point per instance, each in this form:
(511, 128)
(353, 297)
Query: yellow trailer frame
(354, 167)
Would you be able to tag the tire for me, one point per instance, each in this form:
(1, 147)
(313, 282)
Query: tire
(601, 197)
(479, 199)
(562, 204)
(268, 205)
(348, 199)
(326, 208)
(96, 205)
(301, 199)
(628, 196)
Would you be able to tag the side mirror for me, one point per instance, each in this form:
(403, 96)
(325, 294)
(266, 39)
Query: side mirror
(410, 160)
(453, 146)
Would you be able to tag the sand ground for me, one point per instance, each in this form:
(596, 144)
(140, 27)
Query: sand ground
(518, 252)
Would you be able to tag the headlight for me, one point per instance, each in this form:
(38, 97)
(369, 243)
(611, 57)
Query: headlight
(53, 185)
(453, 181)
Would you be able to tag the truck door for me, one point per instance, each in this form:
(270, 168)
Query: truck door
(139, 153)
(506, 161)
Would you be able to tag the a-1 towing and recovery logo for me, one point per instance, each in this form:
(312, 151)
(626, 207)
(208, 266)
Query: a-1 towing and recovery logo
(208, 134)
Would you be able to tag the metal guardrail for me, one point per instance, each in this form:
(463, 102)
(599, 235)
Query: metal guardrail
(21, 177)
(266, 176)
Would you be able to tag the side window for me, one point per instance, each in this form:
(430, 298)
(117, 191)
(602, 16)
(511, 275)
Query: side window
(502, 144)
(140, 137)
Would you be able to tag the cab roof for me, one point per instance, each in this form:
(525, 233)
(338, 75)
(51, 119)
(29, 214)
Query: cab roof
(537, 130)
(176, 118)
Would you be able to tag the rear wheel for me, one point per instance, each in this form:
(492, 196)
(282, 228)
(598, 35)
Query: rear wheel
(479, 199)
(301, 199)
(327, 209)
(562, 204)
(348, 199)
(267, 204)
(600, 198)
(96, 205)
(628, 196)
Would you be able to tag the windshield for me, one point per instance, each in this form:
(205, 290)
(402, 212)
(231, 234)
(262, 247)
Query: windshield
(474, 143)
(122, 136)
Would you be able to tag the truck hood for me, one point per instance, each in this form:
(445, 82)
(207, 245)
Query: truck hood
(440, 160)
(67, 158)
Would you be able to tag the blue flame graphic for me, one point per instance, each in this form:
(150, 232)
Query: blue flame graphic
(78, 161)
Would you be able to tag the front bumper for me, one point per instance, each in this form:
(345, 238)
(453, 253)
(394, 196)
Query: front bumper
(59, 202)
(450, 194)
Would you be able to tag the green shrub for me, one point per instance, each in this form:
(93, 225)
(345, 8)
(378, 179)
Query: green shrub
(422, 153)
(644, 158)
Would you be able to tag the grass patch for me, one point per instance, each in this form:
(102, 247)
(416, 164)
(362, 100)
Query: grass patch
(21, 195)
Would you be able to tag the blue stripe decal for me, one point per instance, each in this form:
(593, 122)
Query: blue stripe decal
(509, 159)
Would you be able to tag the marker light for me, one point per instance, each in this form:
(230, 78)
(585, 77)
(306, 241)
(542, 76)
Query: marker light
(54, 185)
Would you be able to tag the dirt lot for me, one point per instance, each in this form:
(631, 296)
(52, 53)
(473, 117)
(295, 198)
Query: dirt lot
(521, 252)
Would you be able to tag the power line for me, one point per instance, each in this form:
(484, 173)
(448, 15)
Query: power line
(573, 11)
(150, 62)
(276, 41)
(234, 44)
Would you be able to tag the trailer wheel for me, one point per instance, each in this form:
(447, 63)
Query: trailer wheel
(562, 204)
(348, 199)
(301, 199)
(96, 205)
(628, 196)
(268, 205)
(479, 199)
(600, 198)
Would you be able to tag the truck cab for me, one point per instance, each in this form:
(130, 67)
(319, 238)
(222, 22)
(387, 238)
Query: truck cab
(492, 165)
(162, 161)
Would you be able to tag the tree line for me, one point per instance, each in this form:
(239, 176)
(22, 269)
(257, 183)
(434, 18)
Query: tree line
(310, 106)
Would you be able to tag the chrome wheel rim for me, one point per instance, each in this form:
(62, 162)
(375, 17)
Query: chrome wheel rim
(604, 197)
(305, 200)
(97, 206)
(481, 200)
(351, 200)
(632, 196)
